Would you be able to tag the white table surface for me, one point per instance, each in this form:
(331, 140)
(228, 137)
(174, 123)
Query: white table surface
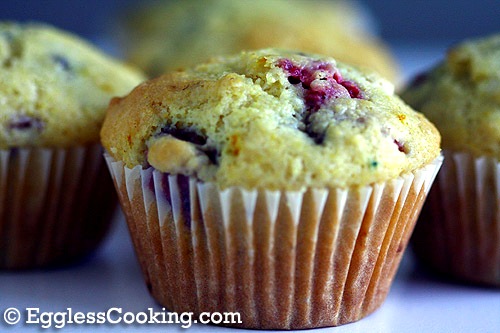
(112, 278)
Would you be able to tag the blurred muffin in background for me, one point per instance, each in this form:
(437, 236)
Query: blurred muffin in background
(56, 196)
(168, 35)
(458, 234)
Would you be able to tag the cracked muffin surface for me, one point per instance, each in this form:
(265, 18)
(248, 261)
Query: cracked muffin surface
(54, 87)
(270, 119)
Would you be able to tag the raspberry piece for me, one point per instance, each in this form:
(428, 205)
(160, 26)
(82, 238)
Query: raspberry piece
(320, 82)
(352, 88)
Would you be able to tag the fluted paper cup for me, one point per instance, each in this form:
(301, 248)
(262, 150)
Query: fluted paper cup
(458, 234)
(282, 259)
(55, 205)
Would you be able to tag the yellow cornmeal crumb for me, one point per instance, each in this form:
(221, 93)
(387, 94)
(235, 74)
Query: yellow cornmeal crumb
(174, 34)
(260, 128)
(461, 96)
(54, 87)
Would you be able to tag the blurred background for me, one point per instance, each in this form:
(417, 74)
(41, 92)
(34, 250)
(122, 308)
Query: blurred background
(414, 29)
(420, 20)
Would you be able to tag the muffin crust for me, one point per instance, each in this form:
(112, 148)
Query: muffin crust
(271, 119)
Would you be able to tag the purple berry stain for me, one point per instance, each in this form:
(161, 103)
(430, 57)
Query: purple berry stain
(185, 134)
(401, 146)
(192, 136)
(62, 62)
(321, 82)
(25, 123)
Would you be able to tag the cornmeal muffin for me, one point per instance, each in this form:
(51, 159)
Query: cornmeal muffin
(167, 35)
(277, 184)
(459, 234)
(55, 196)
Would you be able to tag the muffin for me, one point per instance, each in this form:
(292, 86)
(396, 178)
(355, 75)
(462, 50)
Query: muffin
(56, 198)
(459, 232)
(276, 184)
(166, 35)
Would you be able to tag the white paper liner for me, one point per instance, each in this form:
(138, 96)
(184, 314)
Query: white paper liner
(55, 205)
(458, 233)
(283, 259)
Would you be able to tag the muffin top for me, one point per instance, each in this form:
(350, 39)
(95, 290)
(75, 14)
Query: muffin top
(461, 96)
(180, 33)
(54, 87)
(270, 119)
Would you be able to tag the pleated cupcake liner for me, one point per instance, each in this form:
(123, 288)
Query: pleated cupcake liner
(56, 205)
(282, 259)
(458, 234)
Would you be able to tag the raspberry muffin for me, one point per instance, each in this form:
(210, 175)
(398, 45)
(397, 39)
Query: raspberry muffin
(56, 199)
(459, 232)
(277, 184)
(174, 34)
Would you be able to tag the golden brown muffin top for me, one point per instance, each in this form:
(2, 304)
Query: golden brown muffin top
(271, 119)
